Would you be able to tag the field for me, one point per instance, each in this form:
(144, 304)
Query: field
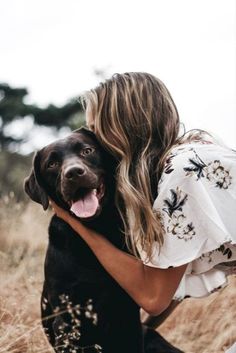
(197, 326)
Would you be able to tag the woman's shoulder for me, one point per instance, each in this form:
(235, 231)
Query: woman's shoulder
(204, 148)
(200, 159)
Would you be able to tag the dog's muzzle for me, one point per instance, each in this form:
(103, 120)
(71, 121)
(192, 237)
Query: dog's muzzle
(82, 190)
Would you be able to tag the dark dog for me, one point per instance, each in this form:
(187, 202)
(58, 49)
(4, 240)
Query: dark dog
(83, 308)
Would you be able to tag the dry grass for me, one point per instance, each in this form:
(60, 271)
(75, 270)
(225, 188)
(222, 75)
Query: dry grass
(197, 326)
(204, 325)
(23, 239)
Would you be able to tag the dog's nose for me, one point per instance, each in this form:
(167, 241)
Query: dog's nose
(74, 172)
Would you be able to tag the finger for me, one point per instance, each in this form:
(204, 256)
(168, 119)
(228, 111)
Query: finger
(52, 203)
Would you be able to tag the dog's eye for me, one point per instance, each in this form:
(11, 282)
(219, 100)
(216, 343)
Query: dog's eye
(87, 150)
(52, 164)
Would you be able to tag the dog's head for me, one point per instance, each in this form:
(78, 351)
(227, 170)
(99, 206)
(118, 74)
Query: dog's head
(74, 172)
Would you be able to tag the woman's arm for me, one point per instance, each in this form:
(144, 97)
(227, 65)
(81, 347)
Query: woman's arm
(151, 288)
(156, 321)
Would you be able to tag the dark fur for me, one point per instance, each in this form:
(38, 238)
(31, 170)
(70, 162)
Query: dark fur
(75, 282)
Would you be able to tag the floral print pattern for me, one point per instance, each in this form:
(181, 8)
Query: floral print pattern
(196, 167)
(177, 222)
(214, 171)
(196, 206)
(217, 174)
(223, 249)
(168, 163)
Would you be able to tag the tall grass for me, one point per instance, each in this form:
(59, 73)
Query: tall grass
(197, 326)
(23, 239)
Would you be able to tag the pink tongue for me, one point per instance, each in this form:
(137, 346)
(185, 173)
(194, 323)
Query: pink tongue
(85, 207)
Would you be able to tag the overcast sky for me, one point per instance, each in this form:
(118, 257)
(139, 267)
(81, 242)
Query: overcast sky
(52, 47)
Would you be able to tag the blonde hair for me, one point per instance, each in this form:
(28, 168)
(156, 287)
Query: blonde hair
(135, 118)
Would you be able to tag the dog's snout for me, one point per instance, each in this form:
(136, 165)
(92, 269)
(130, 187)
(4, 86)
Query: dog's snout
(74, 172)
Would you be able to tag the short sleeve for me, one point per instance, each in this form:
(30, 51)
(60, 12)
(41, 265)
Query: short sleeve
(196, 203)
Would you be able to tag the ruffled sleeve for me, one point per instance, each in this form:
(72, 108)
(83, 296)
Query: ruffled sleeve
(197, 202)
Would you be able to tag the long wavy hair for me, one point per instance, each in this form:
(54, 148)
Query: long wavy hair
(135, 118)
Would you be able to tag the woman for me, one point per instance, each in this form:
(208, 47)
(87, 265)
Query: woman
(176, 195)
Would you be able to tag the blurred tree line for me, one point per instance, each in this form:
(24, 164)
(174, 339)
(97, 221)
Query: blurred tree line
(14, 166)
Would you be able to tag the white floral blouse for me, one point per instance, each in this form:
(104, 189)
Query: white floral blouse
(197, 204)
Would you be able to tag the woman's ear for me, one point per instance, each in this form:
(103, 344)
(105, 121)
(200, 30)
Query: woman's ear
(32, 187)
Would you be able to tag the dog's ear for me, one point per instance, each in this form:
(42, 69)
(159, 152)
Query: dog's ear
(32, 184)
(85, 130)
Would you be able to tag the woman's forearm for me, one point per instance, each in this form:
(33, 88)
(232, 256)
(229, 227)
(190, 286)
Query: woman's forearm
(151, 288)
